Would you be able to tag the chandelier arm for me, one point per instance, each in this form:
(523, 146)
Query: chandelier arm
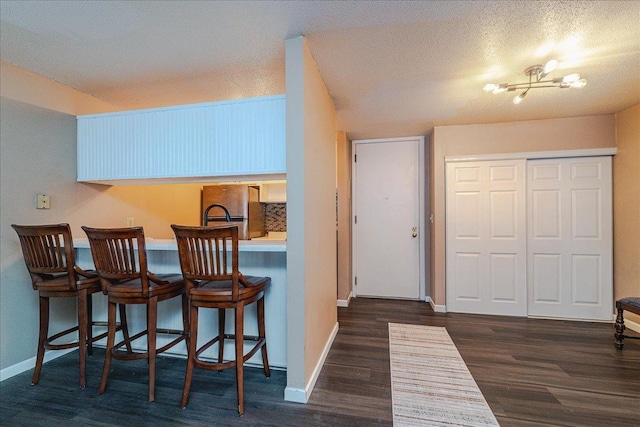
(536, 74)
(541, 86)
(539, 77)
(534, 85)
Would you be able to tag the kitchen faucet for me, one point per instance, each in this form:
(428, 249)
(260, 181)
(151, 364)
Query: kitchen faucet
(206, 218)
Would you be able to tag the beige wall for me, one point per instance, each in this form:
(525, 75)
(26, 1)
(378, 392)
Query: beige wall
(311, 230)
(513, 137)
(151, 206)
(25, 86)
(154, 207)
(626, 206)
(38, 155)
(343, 159)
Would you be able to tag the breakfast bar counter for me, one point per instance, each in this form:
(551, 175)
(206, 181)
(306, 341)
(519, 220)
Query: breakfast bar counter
(263, 257)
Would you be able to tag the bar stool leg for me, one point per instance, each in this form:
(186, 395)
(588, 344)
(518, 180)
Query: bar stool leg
(191, 356)
(262, 335)
(124, 327)
(90, 324)
(185, 319)
(152, 320)
(42, 338)
(221, 321)
(240, 356)
(111, 336)
(82, 335)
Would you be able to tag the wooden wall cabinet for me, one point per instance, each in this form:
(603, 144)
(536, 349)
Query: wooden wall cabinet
(238, 139)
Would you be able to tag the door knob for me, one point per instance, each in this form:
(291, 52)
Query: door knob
(414, 232)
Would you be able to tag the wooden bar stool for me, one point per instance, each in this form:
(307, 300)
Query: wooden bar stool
(50, 258)
(127, 280)
(212, 283)
(631, 304)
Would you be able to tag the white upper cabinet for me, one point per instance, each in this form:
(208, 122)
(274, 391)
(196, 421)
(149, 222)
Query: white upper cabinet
(224, 140)
(273, 192)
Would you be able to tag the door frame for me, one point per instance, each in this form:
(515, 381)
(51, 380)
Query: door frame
(424, 232)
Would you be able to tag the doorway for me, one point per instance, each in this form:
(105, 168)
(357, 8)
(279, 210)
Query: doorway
(389, 227)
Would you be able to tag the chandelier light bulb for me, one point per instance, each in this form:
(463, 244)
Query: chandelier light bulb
(518, 99)
(579, 84)
(550, 66)
(570, 78)
(490, 87)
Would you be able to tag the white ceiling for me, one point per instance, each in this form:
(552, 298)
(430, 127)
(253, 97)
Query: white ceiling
(393, 68)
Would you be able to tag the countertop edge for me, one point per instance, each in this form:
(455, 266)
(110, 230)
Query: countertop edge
(171, 245)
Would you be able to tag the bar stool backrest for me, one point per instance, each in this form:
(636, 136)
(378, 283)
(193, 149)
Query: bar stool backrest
(47, 251)
(114, 255)
(204, 254)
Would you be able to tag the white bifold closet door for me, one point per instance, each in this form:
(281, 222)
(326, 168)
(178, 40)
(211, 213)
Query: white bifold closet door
(486, 237)
(569, 238)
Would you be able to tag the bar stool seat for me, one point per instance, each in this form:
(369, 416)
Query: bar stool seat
(214, 281)
(223, 289)
(49, 256)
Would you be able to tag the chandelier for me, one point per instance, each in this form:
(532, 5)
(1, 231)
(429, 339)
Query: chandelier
(536, 74)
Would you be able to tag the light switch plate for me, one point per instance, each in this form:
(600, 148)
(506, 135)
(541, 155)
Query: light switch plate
(43, 201)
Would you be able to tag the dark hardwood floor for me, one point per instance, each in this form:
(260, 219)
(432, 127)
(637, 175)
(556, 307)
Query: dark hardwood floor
(532, 373)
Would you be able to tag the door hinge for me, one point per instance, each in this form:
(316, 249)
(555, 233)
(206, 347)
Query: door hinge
(355, 158)
(356, 219)
(356, 280)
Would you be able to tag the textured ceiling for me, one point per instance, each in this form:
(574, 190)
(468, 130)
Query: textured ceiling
(392, 68)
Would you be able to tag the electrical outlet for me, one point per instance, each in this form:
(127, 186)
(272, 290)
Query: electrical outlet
(43, 201)
(130, 222)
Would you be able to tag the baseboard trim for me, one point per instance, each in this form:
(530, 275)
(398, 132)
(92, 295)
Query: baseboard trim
(298, 395)
(630, 324)
(25, 365)
(345, 303)
(437, 308)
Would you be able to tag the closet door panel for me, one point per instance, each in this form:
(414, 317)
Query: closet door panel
(569, 210)
(546, 217)
(545, 280)
(486, 237)
(469, 279)
(585, 213)
(504, 271)
(503, 214)
(467, 214)
(586, 284)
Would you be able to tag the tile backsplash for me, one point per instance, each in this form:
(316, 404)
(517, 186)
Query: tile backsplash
(275, 216)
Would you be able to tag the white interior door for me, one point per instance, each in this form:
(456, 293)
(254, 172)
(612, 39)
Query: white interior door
(387, 227)
(570, 238)
(486, 237)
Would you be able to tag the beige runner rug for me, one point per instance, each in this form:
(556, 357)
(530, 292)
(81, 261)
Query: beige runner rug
(430, 383)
